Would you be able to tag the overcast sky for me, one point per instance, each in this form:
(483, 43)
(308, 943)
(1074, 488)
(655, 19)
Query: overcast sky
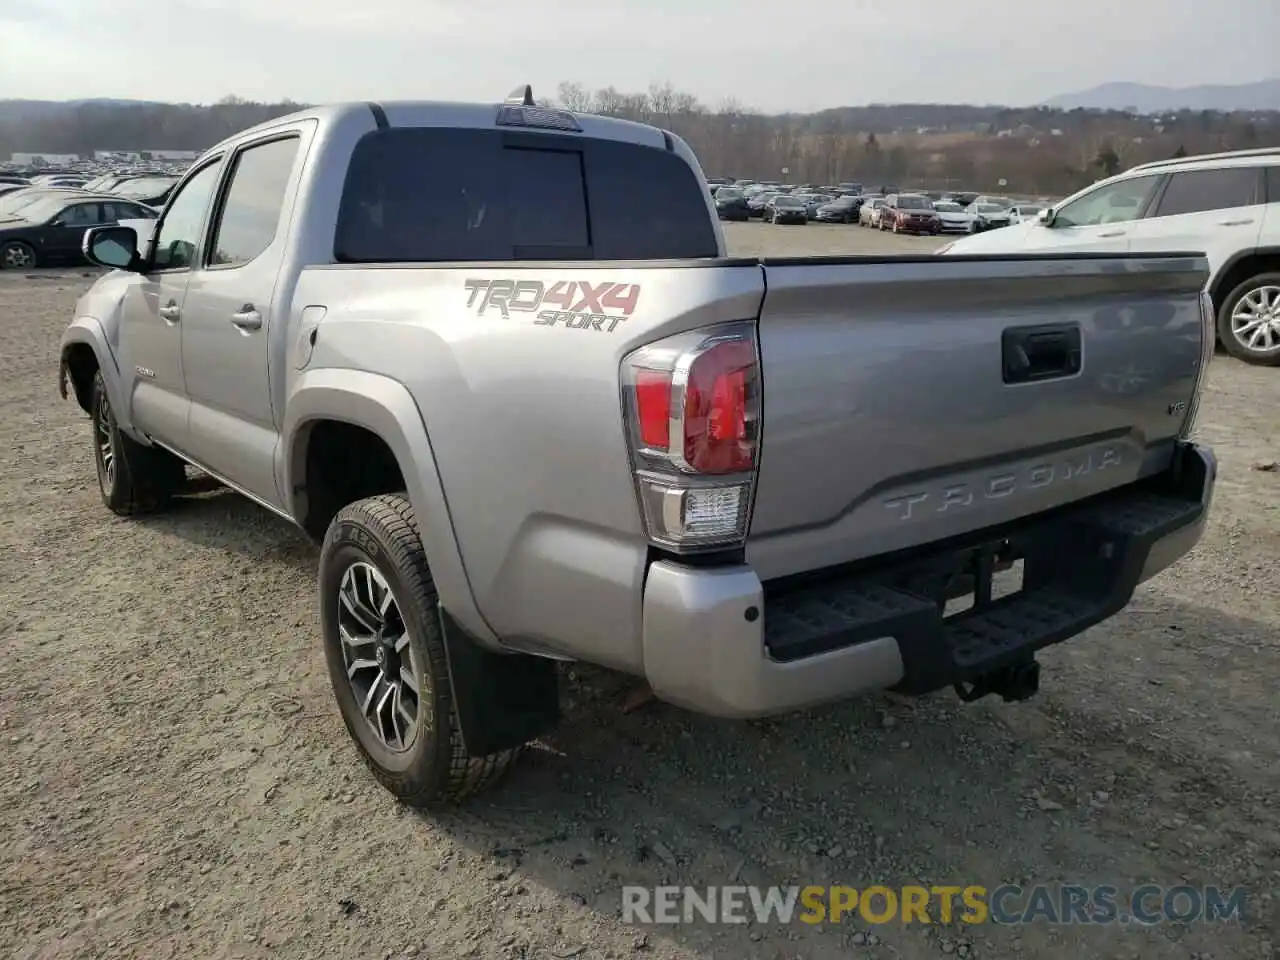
(800, 55)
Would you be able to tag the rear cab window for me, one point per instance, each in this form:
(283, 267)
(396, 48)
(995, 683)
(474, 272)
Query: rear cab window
(424, 194)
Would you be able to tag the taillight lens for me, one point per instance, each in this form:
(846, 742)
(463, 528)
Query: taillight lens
(693, 411)
(653, 406)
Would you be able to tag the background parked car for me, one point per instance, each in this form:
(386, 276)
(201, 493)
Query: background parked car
(812, 201)
(869, 214)
(839, 210)
(1021, 212)
(152, 191)
(48, 231)
(758, 204)
(988, 216)
(731, 204)
(785, 208)
(11, 203)
(909, 213)
(952, 218)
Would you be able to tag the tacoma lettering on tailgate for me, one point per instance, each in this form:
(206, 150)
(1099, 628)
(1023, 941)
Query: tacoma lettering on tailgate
(579, 304)
(1006, 483)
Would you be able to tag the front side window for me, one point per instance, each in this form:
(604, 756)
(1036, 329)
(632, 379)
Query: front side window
(1115, 203)
(1195, 191)
(251, 210)
(178, 236)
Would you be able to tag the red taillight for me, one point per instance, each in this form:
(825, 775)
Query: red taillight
(653, 408)
(716, 438)
(692, 402)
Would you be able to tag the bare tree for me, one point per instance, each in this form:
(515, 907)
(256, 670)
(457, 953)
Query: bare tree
(574, 96)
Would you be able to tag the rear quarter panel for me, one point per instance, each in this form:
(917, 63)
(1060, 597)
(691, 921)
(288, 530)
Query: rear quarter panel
(520, 396)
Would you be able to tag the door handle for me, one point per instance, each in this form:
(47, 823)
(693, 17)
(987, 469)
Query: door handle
(1235, 223)
(170, 312)
(247, 318)
(1112, 233)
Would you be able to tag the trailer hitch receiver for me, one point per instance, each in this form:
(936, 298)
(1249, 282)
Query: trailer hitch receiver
(1018, 681)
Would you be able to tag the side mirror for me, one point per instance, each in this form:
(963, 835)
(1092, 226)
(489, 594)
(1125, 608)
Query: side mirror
(1045, 217)
(115, 247)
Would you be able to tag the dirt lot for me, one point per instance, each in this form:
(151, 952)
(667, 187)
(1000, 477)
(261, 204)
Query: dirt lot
(178, 782)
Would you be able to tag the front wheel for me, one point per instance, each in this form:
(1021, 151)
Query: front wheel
(385, 650)
(132, 478)
(1249, 320)
(16, 255)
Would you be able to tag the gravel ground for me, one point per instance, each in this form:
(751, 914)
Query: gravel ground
(179, 784)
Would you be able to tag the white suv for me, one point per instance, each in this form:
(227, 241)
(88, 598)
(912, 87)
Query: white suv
(1226, 205)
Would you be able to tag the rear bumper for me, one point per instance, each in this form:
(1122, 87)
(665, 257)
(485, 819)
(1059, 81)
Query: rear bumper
(718, 641)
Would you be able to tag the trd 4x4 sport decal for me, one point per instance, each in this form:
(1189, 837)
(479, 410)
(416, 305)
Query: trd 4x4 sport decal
(573, 304)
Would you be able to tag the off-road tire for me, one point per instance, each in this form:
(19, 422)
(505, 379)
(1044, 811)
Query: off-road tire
(1229, 341)
(382, 532)
(144, 478)
(27, 252)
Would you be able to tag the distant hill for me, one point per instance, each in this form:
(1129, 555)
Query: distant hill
(27, 110)
(1144, 98)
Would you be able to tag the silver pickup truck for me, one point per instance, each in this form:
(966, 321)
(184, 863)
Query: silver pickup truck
(496, 360)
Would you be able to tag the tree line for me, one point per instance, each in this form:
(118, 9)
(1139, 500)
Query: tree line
(1032, 150)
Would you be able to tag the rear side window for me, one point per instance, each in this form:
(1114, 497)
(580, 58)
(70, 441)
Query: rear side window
(1194, 191)
(425, 195)
(1273, 184)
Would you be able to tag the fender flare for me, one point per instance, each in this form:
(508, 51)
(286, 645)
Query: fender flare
(384, 407)
(87, 331)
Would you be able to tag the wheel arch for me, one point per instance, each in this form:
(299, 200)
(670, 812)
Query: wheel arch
(84, 351)
(1239, 268)
(370, 418)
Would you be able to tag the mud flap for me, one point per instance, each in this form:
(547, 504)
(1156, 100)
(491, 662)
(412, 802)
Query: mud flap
(501, 700)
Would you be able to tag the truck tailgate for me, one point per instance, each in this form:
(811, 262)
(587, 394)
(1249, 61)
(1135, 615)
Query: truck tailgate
(910, 400)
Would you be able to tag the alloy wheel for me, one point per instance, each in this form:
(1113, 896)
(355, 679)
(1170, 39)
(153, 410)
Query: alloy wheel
(105, 445)
(1255, 320)
(381, 665)
(17, 257)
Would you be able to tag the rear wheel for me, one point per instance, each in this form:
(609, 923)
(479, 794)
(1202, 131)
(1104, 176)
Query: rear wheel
(132, 478)
(1249, 320)
(16, 255)
(385, 649)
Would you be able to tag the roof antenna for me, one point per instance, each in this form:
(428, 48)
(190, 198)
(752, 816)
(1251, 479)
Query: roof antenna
(521, 96)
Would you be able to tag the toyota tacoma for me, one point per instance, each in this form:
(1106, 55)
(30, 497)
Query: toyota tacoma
(496, 361)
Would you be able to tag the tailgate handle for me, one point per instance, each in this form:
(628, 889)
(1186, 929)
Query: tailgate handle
(1040, 353)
